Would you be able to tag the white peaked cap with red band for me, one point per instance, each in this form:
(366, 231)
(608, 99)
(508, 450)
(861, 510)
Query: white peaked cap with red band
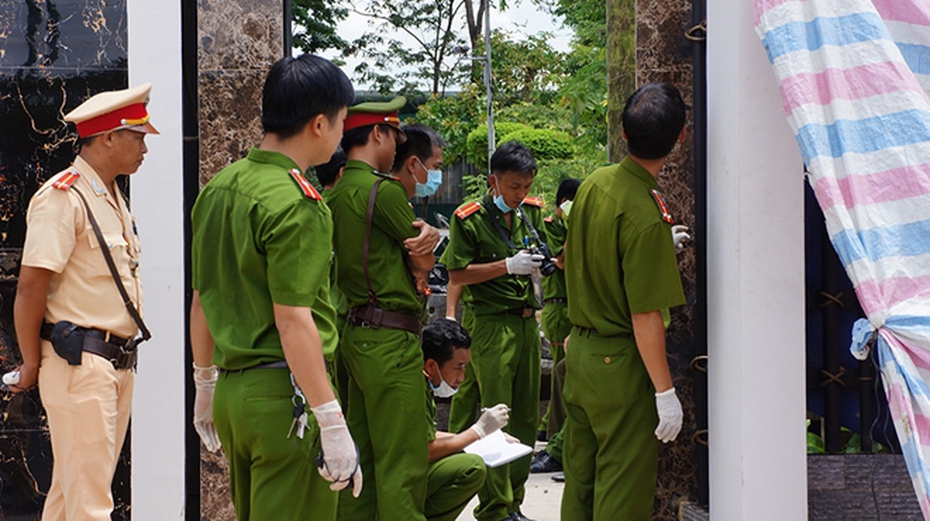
(114, 110)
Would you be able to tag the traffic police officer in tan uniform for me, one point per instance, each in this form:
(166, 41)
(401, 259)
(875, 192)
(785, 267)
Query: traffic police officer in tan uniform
(64, 277)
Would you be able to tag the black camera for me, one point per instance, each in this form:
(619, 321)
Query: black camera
(547, 267)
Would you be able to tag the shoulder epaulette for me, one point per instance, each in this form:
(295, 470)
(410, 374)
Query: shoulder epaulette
(467, 209)
(305, 186)
(66, 180)
(663, 208)
(549, 219)
(534, 201)
(388, 176)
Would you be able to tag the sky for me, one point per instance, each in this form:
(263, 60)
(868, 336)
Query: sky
(522, 18)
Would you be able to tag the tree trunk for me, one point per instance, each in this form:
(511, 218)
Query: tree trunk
(621, 69)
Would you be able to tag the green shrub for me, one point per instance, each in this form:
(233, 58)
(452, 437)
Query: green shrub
(477, 141)
(545, 144)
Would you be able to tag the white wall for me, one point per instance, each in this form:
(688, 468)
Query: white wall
(758, 467)
(157, 203)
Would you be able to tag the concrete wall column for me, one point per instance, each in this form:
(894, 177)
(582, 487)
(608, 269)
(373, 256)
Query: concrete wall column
(755, 274)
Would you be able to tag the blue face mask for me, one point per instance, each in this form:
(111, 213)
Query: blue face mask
(501, 205)
(433, 180)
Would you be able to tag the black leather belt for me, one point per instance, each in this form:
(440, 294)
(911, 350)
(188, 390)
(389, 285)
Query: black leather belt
(374, 317)
(521, 312)
(280, 364)
(121, 352)
(556, 301)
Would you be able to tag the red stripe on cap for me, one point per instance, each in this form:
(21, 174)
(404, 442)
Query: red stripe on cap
(111, 120)
(361, 119)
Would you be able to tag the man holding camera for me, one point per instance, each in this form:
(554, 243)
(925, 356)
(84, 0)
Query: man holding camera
(494, 248)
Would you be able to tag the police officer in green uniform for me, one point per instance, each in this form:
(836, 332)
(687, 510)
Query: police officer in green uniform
(454, 477)
(327, 175)
(556, 326)
(491, 250)
(380, 250)
(261, 310)
(622, 276)
(464, 407)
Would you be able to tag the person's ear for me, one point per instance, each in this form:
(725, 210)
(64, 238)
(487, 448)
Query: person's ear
(316, 125)
(683, 135)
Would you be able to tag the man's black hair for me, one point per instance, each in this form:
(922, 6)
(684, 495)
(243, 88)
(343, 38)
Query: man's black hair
(327, 172)
(567, 190)
(513, 156)
(420, 142)
(441, 338)
(652, 119)
(358, 137)
(298, 89)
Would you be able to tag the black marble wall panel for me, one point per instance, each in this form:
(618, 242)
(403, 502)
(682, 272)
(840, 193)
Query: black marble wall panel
(54, 54)
(239, 40)
(663, 54)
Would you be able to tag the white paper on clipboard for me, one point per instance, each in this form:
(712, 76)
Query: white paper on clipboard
(495, 450)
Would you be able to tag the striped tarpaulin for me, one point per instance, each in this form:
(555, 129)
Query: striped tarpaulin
(854, 77)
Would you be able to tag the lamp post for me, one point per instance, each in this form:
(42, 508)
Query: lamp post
(487, 80)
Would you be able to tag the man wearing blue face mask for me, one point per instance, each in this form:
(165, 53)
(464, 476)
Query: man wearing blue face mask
(494, 249)
(454, 477)
(418, 161)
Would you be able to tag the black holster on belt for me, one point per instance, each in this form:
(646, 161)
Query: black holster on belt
(68, 341)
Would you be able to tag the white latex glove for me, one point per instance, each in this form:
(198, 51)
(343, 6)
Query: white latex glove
(340, 456)
(511, 439)
(205, 382)
(679, 235)
(523, 263)
(491, 420)
(670, 415)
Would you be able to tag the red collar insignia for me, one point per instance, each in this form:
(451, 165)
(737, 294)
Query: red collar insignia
(305, 186)
(66, 180)
(663, 208)
(467, 209)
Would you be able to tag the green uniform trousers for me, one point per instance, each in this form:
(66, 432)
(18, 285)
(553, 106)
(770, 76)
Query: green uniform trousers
(611, 452)
(452, 482)
(463, 411)
(505, 353)
(557, 406)
(556, 326)
(270, 475)
(388, 419)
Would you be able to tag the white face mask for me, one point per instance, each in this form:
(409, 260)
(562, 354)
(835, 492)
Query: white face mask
(443, 390)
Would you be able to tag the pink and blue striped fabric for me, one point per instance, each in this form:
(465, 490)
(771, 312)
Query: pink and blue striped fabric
(854, 78)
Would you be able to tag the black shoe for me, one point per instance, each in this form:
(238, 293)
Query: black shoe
(542, 436)
(518, 516)
(543, 462)
(559, 477)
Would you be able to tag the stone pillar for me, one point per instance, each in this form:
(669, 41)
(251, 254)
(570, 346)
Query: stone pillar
(663, 54)
(239, 41)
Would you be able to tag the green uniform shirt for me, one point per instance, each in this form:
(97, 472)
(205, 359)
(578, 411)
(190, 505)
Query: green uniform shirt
(336, 296)
(619, 257)
(391, 224)
(475, 240)
(554, 285)
(257, 241)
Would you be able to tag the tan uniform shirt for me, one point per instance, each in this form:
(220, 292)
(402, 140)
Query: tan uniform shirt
(60, 238)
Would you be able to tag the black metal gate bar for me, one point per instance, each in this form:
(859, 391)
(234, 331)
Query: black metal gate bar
(832, 369)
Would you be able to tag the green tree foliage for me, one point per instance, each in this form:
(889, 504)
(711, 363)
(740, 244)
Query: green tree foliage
(436, 56)
(314, 25)
(453, 116)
